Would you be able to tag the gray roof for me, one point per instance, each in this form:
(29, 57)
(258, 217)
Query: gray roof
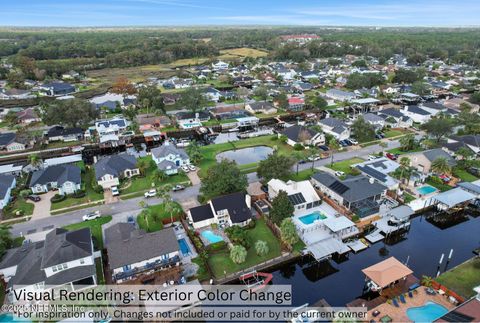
(62, 246)
(433, 154)
(434, 105)
(236, 206)
(57, 173)
(261, 105)
(454, 197)
(167, 149)
(402, 212)
(294, 132)
(467, 186)
(370, 117)
(391, 112)
(6, 182)
(200, 213)
(415, 109)
(333, 122)
(127, 245)
(352, 189)
(114, 165)
(7, 138)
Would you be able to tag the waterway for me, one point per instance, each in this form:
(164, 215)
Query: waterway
(246, 155)
(340, 283)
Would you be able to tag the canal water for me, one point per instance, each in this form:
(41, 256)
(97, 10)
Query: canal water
(340, 283)
(246, 155)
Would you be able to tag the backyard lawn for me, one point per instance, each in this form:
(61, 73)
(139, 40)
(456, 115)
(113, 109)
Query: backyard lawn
(464, 175)
(463, 278)
(19, 204)
(140, 184)
(220, 262)
(440, 186)
(90, 194)
(153, 221)
(397, 151)
(95, 226)
(302, 175)
(209, 152)
(344, 166)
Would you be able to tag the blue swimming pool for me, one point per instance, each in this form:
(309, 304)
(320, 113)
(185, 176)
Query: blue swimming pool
(211, 236)
(426, 313)
(184, 248)
(312, 217)
(427, 189)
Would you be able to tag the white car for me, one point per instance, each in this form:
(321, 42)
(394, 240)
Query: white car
(192, 167)
(339, 173)
(314, 158)
(151, 193)
(353, 141)
(115, 191)
(91, 216)
(371, 157)
(185, 168)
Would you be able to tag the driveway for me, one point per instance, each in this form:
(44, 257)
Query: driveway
(109, 198)
(42, 207)
(193, 177)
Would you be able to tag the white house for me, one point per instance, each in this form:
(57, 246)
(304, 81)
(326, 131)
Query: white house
(170, 158)
(335, 127)
(7, 184)
(227, 210)
(340, 95)
(301, 194)
(112, 126)
(109, 169)
(302, 135)
(65, 259)
(417, 114)
(64, 178)
(220, 66)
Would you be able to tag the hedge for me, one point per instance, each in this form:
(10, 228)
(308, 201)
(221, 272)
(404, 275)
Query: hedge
(57, 198)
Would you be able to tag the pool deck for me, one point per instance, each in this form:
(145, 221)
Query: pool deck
(181, 234)
(399, 314)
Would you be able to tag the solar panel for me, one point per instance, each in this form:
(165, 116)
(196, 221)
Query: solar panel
(338, 187)
(296, 198)
(455, 316)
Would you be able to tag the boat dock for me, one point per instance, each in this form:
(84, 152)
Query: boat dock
(374, 236)
(387, 229)
(357, 246)
(325, 248)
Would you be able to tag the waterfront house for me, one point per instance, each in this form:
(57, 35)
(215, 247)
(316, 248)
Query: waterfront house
(64, 178)
(302, 136)
(417, 114)
(422, 161)
(226, 210)
(28, 116)
(468, 311)
(395, 118)
(60, 133)
(379, 170)
(64, 259)
(375, 120)
(358, 194)
(7, 184)
(170, 158)
(110, 169)
(340, 95)
(260, 107)
(57, 88)
(10, 142)
(111, 126)
(133, 252)
(296, 104)
(301, 194)
(335, 127)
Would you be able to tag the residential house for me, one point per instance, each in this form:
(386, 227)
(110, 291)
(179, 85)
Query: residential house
(133, 252)
(64, 160)
(57, 88)
(201, 116)
(417, 114)
(470, 141)
(228, 210)
(433, 107)
(10, 142)
(374, 119)
(149, 121)
(7, 184)
(379, 169)
(112, 126)
(169, 158)
(422, 161)
(28, 116)
(303, 136)
(64, 259)
(260, 107)
(301, 194)
(243, 81)
(66, 178)
(335, 127)
(220, 66)
(359, 194)
(110, 169)
(395, 118)
(296, 104)
(60, 133)
(340, 95)
(456, 104)
(15, 94)
(213, 94)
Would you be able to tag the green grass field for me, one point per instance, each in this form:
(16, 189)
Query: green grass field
(20, 204)
(463, 278)
(344, 166)
(153, 222)
(464, 175)
(95, 227)
(220, 262)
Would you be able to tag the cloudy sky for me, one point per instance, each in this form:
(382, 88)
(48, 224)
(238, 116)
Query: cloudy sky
(245, 12)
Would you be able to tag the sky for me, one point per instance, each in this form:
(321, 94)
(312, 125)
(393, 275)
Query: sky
(83, 13)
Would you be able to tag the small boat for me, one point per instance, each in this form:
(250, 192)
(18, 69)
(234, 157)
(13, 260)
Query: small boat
(256, 280)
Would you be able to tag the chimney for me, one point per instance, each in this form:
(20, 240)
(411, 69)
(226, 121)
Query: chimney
(371, 180)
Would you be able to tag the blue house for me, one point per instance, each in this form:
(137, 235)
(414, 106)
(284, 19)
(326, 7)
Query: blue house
(7, 184)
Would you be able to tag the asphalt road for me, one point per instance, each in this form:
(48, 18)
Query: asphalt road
(124, 207)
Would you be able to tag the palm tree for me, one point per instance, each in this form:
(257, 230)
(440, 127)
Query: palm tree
(441, 166)
(261, 248)
(142, 165)
(334, 146)
(313, 152)
(159, 176)
(194, 153)
(298, 156)
(407, 142)
(405, 169)
(34, 160)
(238, 254)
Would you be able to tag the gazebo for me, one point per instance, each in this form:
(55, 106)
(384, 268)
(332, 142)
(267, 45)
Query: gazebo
(386, 273)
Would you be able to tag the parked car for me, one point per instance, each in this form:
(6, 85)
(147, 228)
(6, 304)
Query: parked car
(185, 168)
(348, 142)
(302, 161)
(314, 158)
(131, 220)
(34, 198)
(372, 157)
(91, 216)
(192, 167)
(151, 193)
(353, 141)
(115, 191)
(178, 187)
(343, 143)
(323, 147)
(391, 156)
(339, 173)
